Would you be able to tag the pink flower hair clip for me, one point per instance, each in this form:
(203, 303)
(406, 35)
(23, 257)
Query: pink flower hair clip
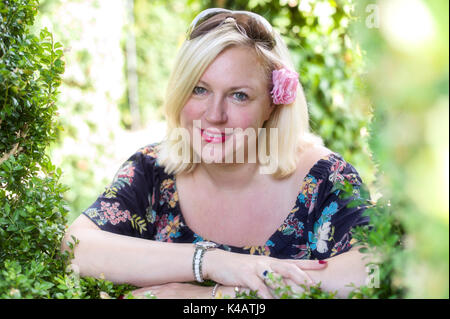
(285, 83)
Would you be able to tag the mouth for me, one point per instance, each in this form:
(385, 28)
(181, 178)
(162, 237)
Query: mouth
(210, 137)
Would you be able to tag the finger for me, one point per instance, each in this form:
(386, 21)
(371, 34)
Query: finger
(296, 289)
(310, 264)
(292, 272)
(257, 284)
(274, 281)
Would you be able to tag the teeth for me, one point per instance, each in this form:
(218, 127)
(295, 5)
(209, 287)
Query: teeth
(212, 134)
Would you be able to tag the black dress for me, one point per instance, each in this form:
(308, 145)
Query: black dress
(142, 201)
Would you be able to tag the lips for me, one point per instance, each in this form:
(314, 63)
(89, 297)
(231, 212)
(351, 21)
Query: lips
(213, 136)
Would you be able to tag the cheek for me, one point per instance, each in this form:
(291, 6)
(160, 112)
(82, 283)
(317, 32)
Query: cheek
(251, 119)
(247, 120)
(190, 112)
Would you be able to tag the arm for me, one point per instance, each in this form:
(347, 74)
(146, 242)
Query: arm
(342, 270)
(125, 259)
(145, 263)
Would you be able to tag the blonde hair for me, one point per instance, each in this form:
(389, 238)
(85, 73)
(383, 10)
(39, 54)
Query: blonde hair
(194, 56)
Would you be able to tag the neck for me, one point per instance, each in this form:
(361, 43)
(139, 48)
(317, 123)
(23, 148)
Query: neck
(228, 177)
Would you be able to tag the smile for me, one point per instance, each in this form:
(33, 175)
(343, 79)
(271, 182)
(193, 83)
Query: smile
(211, 137)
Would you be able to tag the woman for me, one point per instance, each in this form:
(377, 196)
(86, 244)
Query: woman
(238, 190)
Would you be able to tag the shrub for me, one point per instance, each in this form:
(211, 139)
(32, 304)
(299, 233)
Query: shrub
(32, 213)
(32, 209)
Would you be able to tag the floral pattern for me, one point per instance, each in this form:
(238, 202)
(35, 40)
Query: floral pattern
(323, 230)
(123, 177)
(292, 225)
(169, 194)
(93, 214)
(168, 228)
(345, 244)
(260, 250)
(148, 150)
(113, 214)
(319, 226)
(304, 251)
(309, 191)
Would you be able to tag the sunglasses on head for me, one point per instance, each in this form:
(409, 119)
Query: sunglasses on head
(249, 23)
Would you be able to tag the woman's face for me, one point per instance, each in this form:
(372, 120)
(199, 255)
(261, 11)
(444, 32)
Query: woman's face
(232, 93)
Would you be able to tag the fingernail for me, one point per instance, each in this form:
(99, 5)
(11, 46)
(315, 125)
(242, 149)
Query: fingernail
(322, 262)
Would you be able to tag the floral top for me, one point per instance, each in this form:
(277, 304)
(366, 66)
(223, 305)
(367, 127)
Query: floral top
(142, 201)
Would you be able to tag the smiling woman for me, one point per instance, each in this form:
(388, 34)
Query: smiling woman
(166, 220)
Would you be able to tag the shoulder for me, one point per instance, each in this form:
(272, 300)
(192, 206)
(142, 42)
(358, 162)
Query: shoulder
(323, 163)
(149, 151)
(331, 168)
(309, 157)
(143, 162)
(146, 155)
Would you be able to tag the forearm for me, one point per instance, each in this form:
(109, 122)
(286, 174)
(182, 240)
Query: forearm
(341, 272)
(124, 259)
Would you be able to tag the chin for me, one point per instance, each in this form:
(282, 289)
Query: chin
(221, 153)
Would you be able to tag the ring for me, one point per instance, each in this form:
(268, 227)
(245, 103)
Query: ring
(266, 273)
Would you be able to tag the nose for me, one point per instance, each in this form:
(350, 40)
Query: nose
(216, 111)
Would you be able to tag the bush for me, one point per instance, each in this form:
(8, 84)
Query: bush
(32, 212)
(32, 209)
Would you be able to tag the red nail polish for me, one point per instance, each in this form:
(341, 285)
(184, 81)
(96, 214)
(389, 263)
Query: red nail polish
(322, 262)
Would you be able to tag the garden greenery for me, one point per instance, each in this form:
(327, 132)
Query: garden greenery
(33, 214)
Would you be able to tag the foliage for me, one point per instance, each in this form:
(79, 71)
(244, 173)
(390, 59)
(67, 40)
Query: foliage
(159, 30)
(282, 291)
(409, 140)
(32, 211)
(93, 104)
(33, 214)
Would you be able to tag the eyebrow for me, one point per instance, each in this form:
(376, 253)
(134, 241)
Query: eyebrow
(232, 88)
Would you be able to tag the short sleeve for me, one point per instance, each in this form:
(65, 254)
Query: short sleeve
(334, 216)
(125, 207)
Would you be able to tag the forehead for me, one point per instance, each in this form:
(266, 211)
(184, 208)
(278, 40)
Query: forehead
(236, 66)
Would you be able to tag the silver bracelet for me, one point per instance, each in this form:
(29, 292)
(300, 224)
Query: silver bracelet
(200, 249)
(197, 264)
(214, 291)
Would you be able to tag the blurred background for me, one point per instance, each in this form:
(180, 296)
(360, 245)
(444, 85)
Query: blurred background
(375, 74)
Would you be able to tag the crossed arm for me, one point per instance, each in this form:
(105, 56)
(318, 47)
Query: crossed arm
(124, 259)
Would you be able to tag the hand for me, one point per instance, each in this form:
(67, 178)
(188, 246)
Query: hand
(174, 291)
(232, 269)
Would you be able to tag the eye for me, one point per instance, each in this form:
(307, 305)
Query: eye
(198, 90)
(240, 96)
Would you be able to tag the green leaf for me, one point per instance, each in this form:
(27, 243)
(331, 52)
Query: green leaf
(138, 223)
